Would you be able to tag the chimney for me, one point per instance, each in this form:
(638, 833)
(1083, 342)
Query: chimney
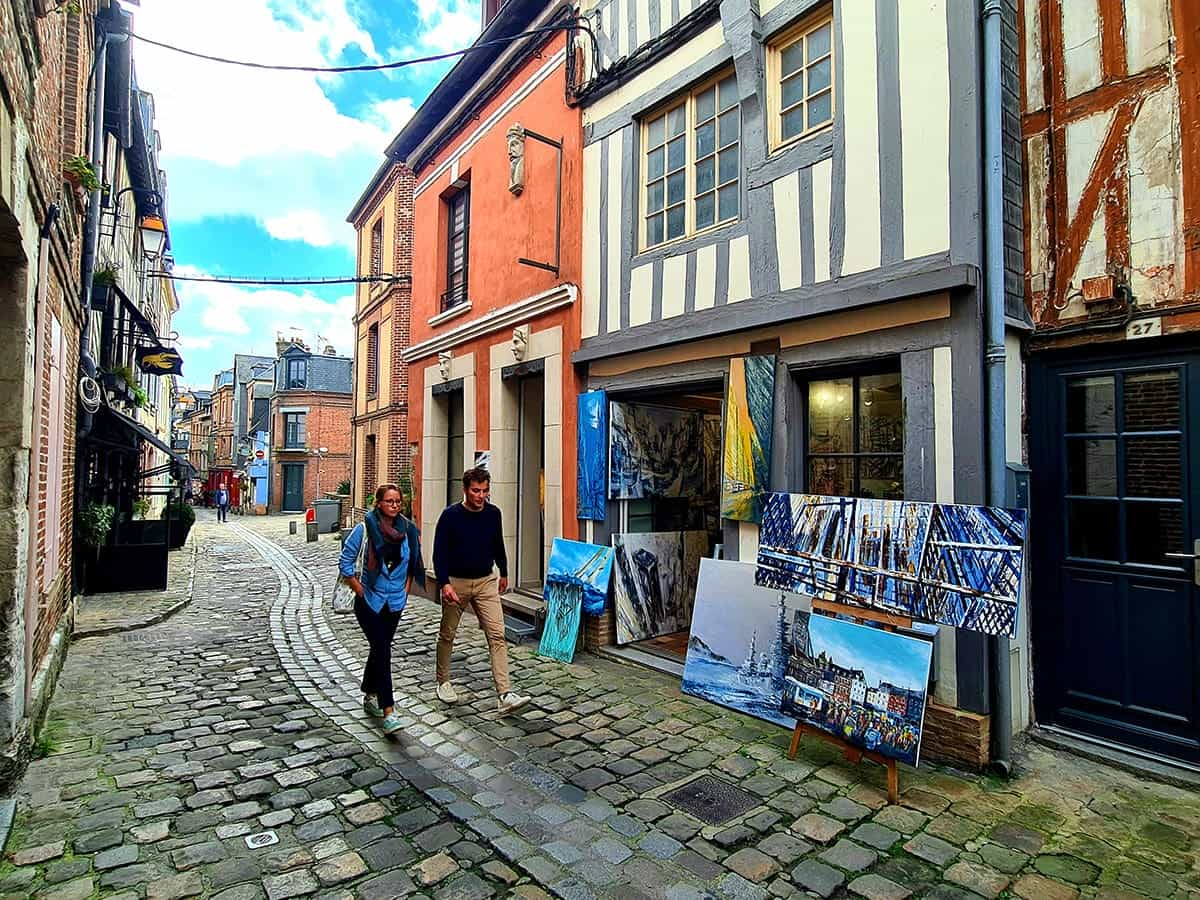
(491, 8)
(281, 344)
(329, 351)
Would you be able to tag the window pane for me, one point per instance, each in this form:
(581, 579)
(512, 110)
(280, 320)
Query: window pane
(654, 229)
(830, 407)
(706, 104)
(729, 127)
(706, 174)
(818, 42)
(676, 154)
(676, 185)
(819, 75)
(728, 167)
(1153, 530)
(728, 92)
(820, 110)
(791, 58)
(675, 221)
(793, 122)
(792, 91)
(706, 139)
(655, 131)
(1091, 404)
(1152, 401)
(881, 477)
(706, 207)
(1092, 527)
(880, 414)
(676, 121)
(654, 197)
(654, 164)
(728, 202)
(1092, 467)
(831, 476)
(1153, 467)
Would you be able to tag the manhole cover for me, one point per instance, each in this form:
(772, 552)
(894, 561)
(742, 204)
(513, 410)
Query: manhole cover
(711, 800)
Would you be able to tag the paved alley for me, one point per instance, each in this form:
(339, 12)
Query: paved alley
(223, 753)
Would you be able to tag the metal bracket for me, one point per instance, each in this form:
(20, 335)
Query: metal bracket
(555, 266)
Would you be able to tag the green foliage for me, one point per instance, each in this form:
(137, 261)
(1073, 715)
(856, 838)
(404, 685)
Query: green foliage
(141, 506)
(344, 486)
(140, 397)
(47, 742)
(180, 512)
(78, 170)
(95, 522)
(125, 373)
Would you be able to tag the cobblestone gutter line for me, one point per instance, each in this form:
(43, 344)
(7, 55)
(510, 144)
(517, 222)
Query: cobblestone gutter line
(588, 843)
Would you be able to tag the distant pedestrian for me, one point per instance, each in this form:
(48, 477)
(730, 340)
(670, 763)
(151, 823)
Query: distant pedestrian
(222, 499)
(393, 561)
(468, 546)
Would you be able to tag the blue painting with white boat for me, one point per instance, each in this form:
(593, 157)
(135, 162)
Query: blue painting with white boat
(577, 580)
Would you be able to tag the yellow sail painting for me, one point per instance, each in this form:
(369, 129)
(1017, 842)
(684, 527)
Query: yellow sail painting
(747, 446)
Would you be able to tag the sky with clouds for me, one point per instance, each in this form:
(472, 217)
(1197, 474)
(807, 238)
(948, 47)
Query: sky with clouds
(262, 167)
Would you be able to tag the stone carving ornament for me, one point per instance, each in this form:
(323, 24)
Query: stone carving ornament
(516, 158)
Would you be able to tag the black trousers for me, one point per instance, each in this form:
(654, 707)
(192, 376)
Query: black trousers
(222, 513)
(379, 628)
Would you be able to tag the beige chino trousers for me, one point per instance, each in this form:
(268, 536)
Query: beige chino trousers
(483, 596)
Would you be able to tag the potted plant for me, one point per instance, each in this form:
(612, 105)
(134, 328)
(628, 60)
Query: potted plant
(95, 522)
(140, 397)
(141, 506)
(180, 517)
(79, 172)
(103, 279)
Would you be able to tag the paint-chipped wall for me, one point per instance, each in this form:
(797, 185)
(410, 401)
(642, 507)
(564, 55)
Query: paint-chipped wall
(1111, 129)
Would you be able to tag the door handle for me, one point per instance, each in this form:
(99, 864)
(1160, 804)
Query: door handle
(1194, 557)
(1183, 555)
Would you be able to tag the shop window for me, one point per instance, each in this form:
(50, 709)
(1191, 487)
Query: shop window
(854, 443)
(458, 226)
(691, 162)
(297, 373)
(800, 79)
(295, 434)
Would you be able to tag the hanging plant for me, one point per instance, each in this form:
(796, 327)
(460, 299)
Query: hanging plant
(140, 397)
(95, 522)
(105, 274)
(78, 170)
(141, 506)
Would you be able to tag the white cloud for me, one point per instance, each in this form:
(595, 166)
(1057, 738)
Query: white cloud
(302, 225)
(392, 115)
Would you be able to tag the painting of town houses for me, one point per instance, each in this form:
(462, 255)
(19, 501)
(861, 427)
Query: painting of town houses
(654, 451)
(953, 565)
(741, 641)
(862, 684)
(655, 583)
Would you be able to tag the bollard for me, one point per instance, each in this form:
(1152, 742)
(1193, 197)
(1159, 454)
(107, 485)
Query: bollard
(310, 531)
(292, 527)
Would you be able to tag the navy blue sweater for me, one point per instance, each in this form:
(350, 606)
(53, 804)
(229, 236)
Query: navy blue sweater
(468, 544)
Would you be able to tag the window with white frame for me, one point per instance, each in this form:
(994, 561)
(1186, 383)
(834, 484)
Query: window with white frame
(691, 162)
(800, 79)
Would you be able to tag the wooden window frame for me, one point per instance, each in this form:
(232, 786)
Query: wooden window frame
(303, 379)
(376, 261)
(449, 299)
(775, 47)
(687, 99)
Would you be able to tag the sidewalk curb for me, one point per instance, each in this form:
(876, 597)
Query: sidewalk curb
(156, 619)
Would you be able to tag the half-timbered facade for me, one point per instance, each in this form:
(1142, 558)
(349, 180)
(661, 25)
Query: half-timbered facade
(802, 179)
(1111, 103)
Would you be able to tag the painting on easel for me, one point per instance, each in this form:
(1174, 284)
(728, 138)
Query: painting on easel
(864, 685)
(952, 565)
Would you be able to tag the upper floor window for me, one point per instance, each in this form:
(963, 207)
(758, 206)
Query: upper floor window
(377, 247)
(297, 373)
(800, 79)
(691, 164)
(372, 360)
(458, 226)
(295, 434)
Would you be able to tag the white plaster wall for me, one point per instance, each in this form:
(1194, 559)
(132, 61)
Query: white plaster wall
(739, 269)
(1018, 647)
(822, 187)
(788, 250)
(640, 289)
(674, 285)
(615, 288)
(1147, 33)
(1036, 184)
(590, 314)
(1035, 97)
(1155, 206)
(1084, 137)
(945, 647)
(1081, 45)
(706, 277)
(860, 115)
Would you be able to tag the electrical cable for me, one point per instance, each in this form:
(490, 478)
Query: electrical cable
(333, 279)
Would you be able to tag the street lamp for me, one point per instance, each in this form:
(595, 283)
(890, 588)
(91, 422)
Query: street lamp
(154, 235)
(319, 453)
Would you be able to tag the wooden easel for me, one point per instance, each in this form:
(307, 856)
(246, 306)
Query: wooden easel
(889, 622)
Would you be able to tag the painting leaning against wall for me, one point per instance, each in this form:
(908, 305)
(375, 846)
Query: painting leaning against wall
(592, 471)
(654, 451)
(577, 578)
(655, 584)
(749, 417)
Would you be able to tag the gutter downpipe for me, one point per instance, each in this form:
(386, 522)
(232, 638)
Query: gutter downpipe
(994, 355)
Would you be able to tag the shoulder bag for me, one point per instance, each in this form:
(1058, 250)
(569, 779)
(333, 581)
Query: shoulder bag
(343, 594)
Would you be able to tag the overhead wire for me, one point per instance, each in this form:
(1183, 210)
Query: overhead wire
(333, 279)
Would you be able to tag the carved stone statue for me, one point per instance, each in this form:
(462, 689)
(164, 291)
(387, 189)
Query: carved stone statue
(516, 158)
(520, 342)
(444, 364)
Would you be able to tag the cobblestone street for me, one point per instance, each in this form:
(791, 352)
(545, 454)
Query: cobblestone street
(223, 753)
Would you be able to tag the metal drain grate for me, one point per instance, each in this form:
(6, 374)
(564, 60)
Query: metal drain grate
(711, 800)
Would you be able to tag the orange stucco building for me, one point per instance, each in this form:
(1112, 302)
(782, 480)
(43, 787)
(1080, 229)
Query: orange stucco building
(496, 154)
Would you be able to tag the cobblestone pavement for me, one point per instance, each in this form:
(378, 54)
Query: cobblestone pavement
(240, 715)
(102, 614)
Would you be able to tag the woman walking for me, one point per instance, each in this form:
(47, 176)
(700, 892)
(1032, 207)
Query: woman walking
(391, 564)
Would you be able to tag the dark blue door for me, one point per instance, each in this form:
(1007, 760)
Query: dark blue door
(293, 487)
(1114, 596)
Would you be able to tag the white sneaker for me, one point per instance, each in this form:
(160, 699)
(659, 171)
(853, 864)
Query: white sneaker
(511, 702)
(446, 693)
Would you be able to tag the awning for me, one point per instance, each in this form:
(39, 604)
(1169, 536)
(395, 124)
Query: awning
(147, 435)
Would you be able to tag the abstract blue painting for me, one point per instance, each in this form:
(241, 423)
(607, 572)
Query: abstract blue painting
(953, 565)
(654, 451)
(577, 578)
(592, 456)
(655, 585)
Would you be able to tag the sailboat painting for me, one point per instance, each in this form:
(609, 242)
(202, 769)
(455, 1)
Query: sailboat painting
(577, 577)
(741, 641)
(749, 416)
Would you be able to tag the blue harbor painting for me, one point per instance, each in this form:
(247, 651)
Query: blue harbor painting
(654, 451)
(655, 584)
(952, 565)
(740, 641)
(591, 446)
(864, 685)
(577, 578)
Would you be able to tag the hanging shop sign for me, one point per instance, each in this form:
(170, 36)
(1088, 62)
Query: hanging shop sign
(159, 361)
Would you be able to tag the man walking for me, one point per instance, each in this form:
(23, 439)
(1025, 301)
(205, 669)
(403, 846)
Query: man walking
(467, 545)
(222, 503)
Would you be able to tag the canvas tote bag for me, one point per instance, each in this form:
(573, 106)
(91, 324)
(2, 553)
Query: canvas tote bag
(343, 594)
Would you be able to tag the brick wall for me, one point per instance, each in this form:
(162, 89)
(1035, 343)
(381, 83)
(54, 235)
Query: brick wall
(327, 424)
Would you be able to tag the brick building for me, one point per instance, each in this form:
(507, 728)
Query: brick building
(220, 464)
(383, 219)
(311, 409)
(44, 61)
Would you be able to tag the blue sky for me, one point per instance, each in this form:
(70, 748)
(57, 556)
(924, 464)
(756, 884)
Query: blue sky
(730, 608)
(882, 655)
(262, 167)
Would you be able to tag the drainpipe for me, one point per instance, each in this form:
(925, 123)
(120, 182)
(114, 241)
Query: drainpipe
(994, 354)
